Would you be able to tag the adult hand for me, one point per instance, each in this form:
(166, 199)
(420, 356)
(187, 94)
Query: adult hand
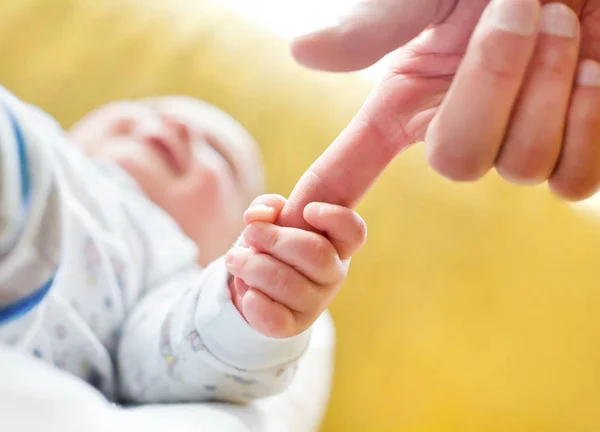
(506, 83)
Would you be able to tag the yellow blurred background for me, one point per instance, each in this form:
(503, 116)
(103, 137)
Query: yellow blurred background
(472, 307)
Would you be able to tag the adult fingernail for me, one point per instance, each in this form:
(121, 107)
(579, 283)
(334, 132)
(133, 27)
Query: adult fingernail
(589, 73)
(515, 16)
(559, 20)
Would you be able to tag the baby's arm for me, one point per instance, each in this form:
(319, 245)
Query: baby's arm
(30, 223)
(185, 341)
(191, 341)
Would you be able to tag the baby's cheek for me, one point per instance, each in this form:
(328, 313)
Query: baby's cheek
(221, 191)
(197, 203)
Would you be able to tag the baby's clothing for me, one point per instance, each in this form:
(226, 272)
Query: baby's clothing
(102, 283)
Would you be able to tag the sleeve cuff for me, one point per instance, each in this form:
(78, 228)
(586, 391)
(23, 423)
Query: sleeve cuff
(230, 338)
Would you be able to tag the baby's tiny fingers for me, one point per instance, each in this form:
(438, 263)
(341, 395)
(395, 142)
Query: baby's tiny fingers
(269, 317)
(346, 230)
(309, 253)
(265, 208)
(275, 279)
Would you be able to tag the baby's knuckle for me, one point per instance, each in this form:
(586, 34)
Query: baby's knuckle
(273, 323)
(339, 275)
(277, 198)
(278, 277)
(281, 324)
(270, 236)
(274, 200)
(305, 320)
(360, 230)
(322, 252)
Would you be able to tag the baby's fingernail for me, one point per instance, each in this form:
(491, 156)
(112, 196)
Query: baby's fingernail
(236, 258)
(317, 209)
(515, 16)
(589, 74)
(250, 233)
(260, 211)
(229, 261)
(240, 286)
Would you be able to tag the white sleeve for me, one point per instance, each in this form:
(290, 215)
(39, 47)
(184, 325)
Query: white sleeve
(30, 219)
(186, 341)
(79, 407)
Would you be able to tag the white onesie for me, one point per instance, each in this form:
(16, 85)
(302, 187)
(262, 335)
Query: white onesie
(102, 283)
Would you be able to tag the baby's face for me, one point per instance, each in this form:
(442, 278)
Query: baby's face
(191, 159)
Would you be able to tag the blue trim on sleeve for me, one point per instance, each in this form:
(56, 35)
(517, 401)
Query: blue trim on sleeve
(24, 305)
(23, 162)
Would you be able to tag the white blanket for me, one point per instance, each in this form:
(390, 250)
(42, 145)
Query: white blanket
(34, 397)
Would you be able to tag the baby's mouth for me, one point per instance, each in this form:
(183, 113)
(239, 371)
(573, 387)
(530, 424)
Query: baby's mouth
(166, 151)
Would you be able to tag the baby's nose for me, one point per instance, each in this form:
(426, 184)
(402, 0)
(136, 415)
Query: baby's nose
(179, 130)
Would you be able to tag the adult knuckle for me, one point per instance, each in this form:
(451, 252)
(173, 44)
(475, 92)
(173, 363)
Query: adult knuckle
(572, 188)
(519, 173)
(456, 167)
(533, 164)
(556, 63)
(587, 117)
(494, 61)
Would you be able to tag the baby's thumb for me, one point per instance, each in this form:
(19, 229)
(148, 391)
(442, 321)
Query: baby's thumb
(265, 208)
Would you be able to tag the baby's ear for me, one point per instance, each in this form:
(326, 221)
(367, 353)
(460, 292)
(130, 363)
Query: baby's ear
(265, 208)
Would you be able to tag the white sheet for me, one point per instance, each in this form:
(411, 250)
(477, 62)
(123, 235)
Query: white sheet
(33, 394)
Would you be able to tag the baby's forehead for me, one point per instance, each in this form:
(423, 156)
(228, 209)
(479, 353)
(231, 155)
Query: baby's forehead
(191, 111)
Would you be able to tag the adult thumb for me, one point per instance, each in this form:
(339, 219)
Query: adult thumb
(372, 29)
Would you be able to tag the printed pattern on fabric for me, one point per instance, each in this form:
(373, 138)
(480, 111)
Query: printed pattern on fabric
(129, 310)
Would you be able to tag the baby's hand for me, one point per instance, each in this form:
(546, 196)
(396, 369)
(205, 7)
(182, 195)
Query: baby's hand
(287, 277)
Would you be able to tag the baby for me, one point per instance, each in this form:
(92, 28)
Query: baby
(111, 253)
